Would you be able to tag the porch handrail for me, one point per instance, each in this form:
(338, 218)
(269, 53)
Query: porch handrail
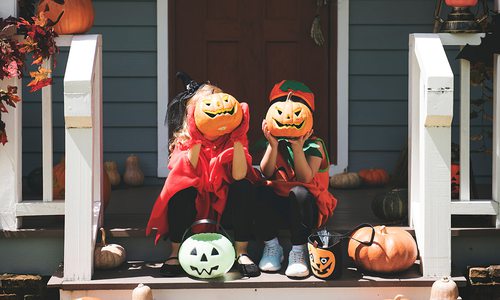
(83, 131)
(430, 116)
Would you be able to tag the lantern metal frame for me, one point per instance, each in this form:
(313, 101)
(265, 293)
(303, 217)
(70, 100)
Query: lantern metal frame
(460, 19)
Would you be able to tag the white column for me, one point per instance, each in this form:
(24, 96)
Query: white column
(464, 130)
(431, 113)
(47, 141)
(496, 135)
(10, 162)
(8, 8)
(82, 113)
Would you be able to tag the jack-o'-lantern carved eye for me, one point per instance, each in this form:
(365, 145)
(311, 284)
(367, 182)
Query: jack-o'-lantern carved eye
(194, 252)
(297, 112)
(324, 260)
(279, 111)
(215, 252)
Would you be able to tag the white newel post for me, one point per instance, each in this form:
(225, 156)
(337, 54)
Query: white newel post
(430, 115)
(496, 129)
(10, 153)
(82, 111)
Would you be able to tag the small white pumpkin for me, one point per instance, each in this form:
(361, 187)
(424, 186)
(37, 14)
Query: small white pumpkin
(108, 256)
(444, 289)
(142, 292)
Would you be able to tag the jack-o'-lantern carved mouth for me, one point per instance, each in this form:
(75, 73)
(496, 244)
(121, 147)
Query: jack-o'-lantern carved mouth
(322, 272)
(214, 113)
(296, 126)
(209, 272)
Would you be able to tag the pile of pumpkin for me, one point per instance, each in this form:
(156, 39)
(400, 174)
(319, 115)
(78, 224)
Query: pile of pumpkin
(352, 180)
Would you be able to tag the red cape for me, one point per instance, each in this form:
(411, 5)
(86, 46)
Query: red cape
(211, 179)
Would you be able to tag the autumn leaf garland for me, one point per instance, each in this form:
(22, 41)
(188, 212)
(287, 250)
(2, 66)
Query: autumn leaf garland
(40, 41)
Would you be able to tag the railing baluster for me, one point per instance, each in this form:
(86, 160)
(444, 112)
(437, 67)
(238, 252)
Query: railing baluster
(496, 136)
(47, 137)
(464, 130)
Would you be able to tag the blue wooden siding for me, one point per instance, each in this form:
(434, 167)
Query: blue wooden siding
(378, 87)
(129, 69)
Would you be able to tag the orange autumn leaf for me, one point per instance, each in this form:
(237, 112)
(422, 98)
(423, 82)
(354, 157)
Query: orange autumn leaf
(40, 79)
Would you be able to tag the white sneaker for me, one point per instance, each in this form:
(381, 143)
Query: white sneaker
(297, 264)
(272, 257)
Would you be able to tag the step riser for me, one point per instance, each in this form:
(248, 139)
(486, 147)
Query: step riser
(375, 293)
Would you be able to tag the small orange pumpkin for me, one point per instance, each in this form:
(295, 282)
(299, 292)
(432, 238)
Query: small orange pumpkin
(78, 16)
(374, 177)
(289, 119)
(217, 114)
(393, 249)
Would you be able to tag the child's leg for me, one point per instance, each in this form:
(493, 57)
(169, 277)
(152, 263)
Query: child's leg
(181, 214)
(238, 212)
(303, 214)
(268, 210)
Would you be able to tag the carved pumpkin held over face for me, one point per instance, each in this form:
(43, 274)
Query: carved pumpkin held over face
(217, 114)
(290, 114)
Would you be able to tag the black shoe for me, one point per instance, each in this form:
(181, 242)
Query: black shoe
(171, 270)
(248, 270)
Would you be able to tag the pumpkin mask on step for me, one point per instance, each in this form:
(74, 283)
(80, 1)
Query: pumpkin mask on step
(290, 114)
(217, 114)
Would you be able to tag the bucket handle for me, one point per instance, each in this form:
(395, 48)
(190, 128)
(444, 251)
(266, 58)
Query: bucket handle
(206, 221)
(348, 235)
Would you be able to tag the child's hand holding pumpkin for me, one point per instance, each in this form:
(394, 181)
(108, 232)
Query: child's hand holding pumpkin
(239, 134)
(273, 142)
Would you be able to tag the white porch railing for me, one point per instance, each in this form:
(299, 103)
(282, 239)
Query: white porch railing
(430, 117)
(83, 157)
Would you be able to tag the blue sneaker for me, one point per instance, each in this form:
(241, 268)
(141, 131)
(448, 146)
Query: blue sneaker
(272, 256)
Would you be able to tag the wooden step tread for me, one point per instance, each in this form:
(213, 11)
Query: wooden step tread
(133, 273)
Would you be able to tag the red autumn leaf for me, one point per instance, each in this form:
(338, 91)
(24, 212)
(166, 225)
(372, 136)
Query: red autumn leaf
(36, 85)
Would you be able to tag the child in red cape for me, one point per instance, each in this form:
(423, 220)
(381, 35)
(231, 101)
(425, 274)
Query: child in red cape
(296, 191)
(209, 177)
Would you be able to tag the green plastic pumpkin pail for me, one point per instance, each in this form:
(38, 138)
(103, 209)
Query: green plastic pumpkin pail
(206, 255)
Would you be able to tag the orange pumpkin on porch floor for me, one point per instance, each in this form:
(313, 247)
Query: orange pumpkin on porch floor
(393, 249)
(59, 183)
(217, 114)
(78, 16)
(374, 177)
(289, 119)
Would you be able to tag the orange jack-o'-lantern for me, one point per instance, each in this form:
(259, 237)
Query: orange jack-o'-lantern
(322, 261)
(289, 119)
(217, 114)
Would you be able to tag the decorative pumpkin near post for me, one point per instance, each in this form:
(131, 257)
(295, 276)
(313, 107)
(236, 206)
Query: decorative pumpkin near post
(444, 289)
(393, 249)
(142, 292)
(346, 180)
(108, 256)
(77, 17)
(217, 114)
(133, 174)
(112, 171)
(391, 205)
(374, 177)
(290, 114)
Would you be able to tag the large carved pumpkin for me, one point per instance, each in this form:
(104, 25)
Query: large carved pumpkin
(78, 16)
(393, 249)
(289, 119)
(217, 114)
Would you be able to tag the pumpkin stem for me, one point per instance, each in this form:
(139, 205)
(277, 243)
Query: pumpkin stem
(445, 279)
(383, 229)
(103, 237)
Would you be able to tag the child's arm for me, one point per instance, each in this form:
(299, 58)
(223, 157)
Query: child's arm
(305, 167)
(194, 154)
(239, 170)
(268, 162)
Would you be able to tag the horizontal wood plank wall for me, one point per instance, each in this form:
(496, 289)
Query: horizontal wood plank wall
(378, 83)
(128, 29)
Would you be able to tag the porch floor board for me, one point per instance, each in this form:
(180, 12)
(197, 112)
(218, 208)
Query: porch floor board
(129, 275)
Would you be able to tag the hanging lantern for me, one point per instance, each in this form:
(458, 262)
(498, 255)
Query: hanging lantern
(460, 19)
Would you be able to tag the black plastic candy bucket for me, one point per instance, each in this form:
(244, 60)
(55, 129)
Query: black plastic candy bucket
(325, 252)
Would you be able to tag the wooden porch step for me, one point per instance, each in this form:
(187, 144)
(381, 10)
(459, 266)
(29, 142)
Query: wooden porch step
(134, 272)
